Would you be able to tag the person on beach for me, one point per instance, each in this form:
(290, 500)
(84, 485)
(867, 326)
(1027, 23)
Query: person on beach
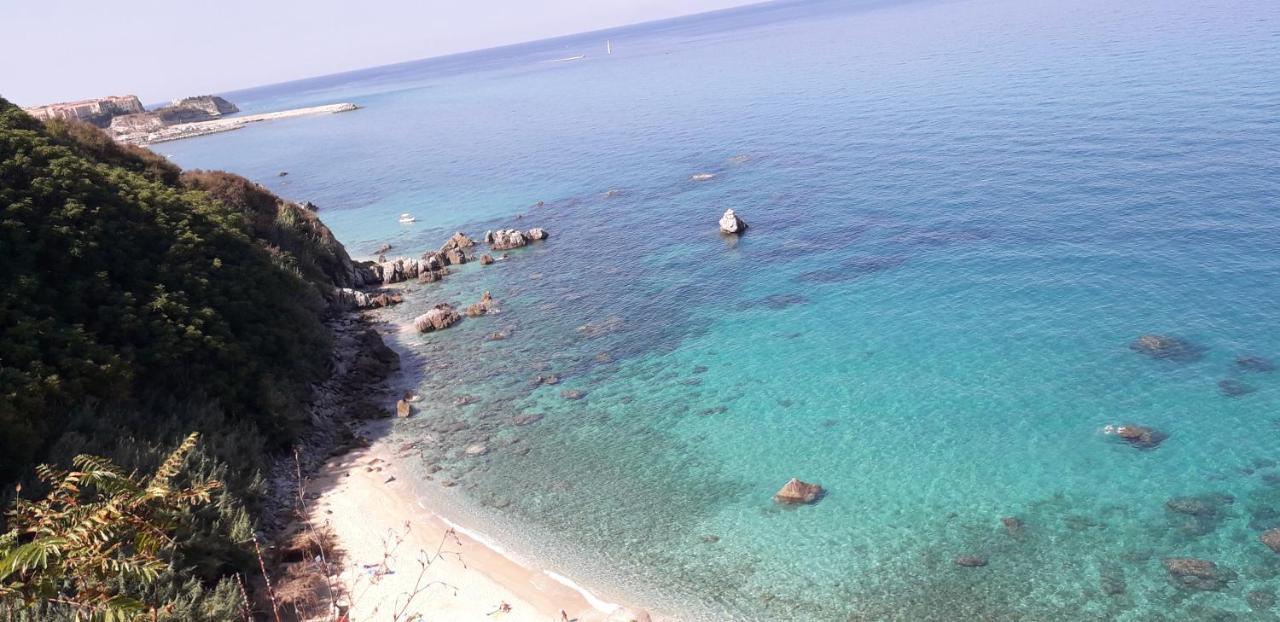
(564, 617)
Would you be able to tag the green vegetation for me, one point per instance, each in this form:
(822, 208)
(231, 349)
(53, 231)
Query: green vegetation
(139, 303)
(96, 530)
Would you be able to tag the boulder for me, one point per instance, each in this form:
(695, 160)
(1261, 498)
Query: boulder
(486, 259)
(431, 261)
(476, 450)
(1271, 538)
(1138, 436)
(480, 308)
(1189, 573)
(458, 240)
(731, 224)
(1166, 347)
(970, 561)
(403, 409)
(455, 257)
(431, 276)
(505, 239)
(536, 234)
(796, 491)
(439, 317)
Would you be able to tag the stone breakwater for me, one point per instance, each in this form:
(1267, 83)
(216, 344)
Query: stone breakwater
(203, 128)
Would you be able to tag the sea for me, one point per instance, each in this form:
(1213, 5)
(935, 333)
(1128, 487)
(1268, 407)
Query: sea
(963, 214)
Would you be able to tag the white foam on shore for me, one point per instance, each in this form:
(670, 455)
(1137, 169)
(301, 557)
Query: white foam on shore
(595, 601)
(592, 599)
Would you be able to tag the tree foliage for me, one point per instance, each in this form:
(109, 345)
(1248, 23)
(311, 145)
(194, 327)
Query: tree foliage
(96, 529)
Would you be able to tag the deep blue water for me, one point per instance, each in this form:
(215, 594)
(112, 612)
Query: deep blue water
(962, 213)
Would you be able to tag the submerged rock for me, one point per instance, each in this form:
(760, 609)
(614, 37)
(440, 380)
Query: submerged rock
(1261, 600)
(1013, 526)
(970, 561)
(1189, 573)
(1255, 363)
(1271, 538)
(1111, 577)
(476, 450)
(1234, 388)
(796, 491)
(1166, 347)
(572, 394)
(730, 223)
(439, 317)
(526, 419)
(1138, 436)
(1206, 505)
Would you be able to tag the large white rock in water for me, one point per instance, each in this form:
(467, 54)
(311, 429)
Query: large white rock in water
(440, 317)
(730, 223)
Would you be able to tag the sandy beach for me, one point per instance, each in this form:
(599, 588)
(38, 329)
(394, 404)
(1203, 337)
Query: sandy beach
(385, 534)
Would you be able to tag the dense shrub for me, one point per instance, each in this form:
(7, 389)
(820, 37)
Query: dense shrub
(138, 304)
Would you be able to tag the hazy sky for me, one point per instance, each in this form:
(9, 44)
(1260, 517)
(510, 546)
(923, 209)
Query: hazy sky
(57, 50)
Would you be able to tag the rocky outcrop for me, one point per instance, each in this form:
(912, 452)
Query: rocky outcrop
(480, 308)
(1189, 573)
(730, 223)
(796, 491)
(507, 239)
(348, 298)
(455, 249)
(1167, 348)
(439, 317)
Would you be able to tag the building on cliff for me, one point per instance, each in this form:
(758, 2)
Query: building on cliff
(98, 111)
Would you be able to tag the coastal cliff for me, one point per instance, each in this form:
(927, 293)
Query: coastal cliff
(140, 303)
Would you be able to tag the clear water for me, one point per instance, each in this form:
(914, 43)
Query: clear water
(961, 215)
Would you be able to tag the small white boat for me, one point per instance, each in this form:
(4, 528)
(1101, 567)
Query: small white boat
(568, 58)
(407, 218)
(608, 46)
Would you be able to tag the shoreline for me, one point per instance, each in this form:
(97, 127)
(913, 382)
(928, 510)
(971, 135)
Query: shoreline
(227, 124)
(378, 521)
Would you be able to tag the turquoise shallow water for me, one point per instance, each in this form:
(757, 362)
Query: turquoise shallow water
(962, 213)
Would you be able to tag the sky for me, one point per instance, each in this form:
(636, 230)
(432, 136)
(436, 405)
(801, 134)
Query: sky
(60, 50)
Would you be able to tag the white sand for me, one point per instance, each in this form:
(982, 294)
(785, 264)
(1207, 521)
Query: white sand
(470, 581)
